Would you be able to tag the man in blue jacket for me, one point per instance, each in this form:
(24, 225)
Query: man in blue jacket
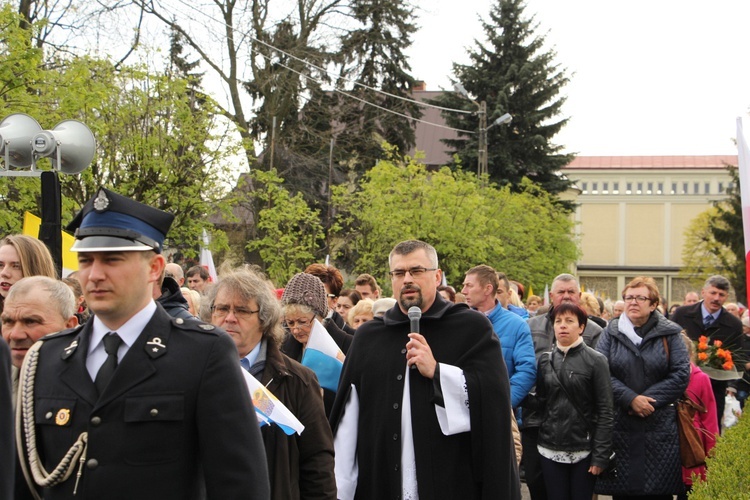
(480, 288)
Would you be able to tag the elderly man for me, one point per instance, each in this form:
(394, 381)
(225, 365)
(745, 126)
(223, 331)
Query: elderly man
(480, 288)
(135, 403)
(300, 465)
(708, 317)
(36, 306)
(564, 289)
(618, 308)
(433, 407)
(690, 299)
(175, 272)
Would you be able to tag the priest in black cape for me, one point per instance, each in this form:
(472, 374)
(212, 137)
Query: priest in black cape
(424, 416)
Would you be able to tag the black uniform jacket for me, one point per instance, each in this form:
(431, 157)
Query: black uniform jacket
(176, 411)
(7, 457)
(479, 464)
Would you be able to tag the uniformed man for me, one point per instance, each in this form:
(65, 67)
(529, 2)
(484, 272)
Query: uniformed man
(135, 403)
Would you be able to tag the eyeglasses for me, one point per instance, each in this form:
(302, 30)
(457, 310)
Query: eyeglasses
(300, 324)
(222, 311)
(415, 272)
(638, 298)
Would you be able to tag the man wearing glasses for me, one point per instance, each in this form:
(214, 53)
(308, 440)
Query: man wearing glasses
(424, 415)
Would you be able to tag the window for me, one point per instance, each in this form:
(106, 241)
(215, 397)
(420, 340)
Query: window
(605, 187)
(629, 189)
(721, 187)
(674, 188)
(707, 188)
(684, 188)
(650, 188)
(594, 188)
(696, 188)
(640, 188)
(660, 188)
(616, 187)
(585, 187)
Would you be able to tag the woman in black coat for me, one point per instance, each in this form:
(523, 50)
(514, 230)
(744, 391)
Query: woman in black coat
(650, 370)
(575, 395)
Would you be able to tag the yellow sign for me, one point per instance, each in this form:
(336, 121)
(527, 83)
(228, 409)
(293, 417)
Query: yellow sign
(31, 225)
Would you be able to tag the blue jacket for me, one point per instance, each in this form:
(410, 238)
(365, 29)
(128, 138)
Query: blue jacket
(518, 351)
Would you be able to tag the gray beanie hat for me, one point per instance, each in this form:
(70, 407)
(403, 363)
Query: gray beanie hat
(307, 290)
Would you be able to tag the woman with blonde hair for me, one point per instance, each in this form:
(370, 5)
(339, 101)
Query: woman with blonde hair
(22, 256)
(360, 313)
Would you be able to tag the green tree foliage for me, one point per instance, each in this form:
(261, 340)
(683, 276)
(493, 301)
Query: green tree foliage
(373, 57)
(702, 255)
(513, 73)
(714, 241)
(728, 231)
(469, 223)
(154, 143)
(290, 231)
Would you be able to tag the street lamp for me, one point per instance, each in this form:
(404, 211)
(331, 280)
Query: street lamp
(70, 147)
(482, 167)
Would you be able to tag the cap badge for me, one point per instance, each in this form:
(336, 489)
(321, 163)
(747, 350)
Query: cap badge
(101, 202)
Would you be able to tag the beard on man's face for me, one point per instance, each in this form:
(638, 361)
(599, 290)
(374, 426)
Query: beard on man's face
(412, 299)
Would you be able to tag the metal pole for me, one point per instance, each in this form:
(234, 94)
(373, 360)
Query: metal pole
(482, 157)
(49, 232)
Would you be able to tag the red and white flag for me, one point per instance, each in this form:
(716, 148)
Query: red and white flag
(743, 154)
(207, 260)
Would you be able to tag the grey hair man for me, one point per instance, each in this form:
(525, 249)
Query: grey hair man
(175, 272)
(565, 288)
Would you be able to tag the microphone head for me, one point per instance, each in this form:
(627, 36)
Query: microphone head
(414, 312)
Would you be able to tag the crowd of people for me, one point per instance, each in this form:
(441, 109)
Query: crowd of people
(128, 384)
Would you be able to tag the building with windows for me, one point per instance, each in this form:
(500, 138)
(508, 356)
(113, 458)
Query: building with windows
(632, 213)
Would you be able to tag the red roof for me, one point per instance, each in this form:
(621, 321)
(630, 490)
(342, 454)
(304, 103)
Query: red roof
(652, 162)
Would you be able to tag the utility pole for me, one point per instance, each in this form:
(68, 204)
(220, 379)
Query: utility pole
(482, 156)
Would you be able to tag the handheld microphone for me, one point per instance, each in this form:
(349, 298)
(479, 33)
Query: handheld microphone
(415, 314)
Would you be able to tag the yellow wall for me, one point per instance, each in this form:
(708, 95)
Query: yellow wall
(644, 227)
(599, 233)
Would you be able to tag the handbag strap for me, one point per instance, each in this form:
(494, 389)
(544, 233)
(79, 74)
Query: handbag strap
(562, 386)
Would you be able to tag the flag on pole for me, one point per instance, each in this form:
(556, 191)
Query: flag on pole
(31, 226)
(546, 295)
(531, 291)
(743, 155)
(207, 260)
(270, 410)
(324, 357)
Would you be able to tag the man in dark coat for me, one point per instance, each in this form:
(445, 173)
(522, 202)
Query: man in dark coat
(300, 466)
(170, 297)
(424, 414)
(721, 326)
(150, 406)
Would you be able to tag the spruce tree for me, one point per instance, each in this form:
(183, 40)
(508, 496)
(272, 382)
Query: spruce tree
(728, 232)
(373, 56)
(514, 74)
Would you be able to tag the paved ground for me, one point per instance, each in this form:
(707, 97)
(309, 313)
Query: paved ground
(525, 494)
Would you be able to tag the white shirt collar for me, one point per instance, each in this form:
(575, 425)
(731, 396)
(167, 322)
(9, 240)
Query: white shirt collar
(128, 332)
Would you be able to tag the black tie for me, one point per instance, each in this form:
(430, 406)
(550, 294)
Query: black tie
(112, 343)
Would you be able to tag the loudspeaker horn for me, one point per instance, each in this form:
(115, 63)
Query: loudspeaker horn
(16, 131)
(70, 145)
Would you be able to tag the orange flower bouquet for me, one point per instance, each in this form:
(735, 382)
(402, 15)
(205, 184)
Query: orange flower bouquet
(715, 360)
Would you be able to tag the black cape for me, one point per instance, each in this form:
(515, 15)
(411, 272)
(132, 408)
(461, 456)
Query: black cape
(479, 464)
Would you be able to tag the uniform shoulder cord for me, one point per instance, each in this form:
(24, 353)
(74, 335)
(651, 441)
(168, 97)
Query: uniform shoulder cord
(25, 426)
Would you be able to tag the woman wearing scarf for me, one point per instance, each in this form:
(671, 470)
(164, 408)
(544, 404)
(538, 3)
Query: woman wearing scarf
(650, 370)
